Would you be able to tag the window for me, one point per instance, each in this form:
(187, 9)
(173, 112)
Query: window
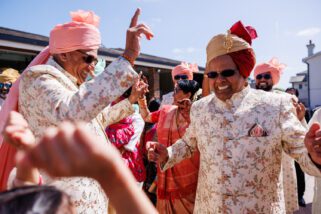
(300, 86)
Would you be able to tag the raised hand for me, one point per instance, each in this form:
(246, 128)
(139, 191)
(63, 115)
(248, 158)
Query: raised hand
(133, 36)
(17, 133)
(59, 152)
(300, 109)
(313, 142)
(138, 89)
(156, 152)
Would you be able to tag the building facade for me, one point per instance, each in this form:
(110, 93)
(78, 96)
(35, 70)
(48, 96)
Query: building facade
(18, 48)
(300, 82)
(313, 62)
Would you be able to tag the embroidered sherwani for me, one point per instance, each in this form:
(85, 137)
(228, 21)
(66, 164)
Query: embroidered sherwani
(49, 95)
(240, 173)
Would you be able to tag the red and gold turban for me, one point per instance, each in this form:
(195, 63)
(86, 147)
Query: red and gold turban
(237, 44)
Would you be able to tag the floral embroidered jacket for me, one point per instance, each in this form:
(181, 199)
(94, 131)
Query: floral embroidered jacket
(240, 172)
(49, 95)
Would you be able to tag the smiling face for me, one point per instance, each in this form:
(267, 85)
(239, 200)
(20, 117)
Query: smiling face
(79, 63)
(225, 87)
(4, 89)
(264, 81)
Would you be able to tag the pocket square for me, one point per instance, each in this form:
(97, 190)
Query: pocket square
(257, 131)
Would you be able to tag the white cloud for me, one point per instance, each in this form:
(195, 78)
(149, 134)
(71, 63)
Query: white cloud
(177, 51)
(188, 50)
(157, 20)
(309, 32)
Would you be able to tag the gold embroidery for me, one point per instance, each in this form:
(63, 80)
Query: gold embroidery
(228, 43)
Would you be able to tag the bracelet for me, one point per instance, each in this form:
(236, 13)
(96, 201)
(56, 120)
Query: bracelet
(130, 60)
(142, 102)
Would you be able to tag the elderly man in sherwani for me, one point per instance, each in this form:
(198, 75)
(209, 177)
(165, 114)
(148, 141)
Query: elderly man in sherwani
(240, 134)
(53, 89)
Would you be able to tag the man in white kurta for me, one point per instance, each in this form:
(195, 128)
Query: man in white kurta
(240, 134)
(267, 75)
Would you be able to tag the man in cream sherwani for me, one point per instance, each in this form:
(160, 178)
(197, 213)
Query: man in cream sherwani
(240, 133)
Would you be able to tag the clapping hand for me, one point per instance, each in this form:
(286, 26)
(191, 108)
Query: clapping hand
(156, 152)
(300, 109)
(313, 142)
(17, 133)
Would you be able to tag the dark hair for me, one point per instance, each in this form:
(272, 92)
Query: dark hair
(127, 93)
(35, 199)
(153, 105)
(294, 89)
(188, 86)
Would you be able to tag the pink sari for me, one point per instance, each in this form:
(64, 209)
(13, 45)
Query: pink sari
(176, 187)
(7, 152)
(120, 134)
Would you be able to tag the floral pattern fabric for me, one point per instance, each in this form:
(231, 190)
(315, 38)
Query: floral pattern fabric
(240, 173)
(167, 99)
(49, 95)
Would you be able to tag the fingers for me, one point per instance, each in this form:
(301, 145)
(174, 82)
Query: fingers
(146, 31)
(134, 19)
(152, 156)
(150, 145)
(84, 138)
(40, 156)
(16, 119)
(314, 127)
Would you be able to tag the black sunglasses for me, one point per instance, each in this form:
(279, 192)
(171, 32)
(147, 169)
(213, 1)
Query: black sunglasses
(265, 76)
(5, 85)
(180, 76)
(225, 73)
(89, 59)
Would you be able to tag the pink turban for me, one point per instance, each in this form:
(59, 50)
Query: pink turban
(80, 34)
(185, 68)
(273, 66)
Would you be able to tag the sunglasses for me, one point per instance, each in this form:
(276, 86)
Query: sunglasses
(181, 76)
(265, 76)
(88, 59)
(5, 85)
(225, 73)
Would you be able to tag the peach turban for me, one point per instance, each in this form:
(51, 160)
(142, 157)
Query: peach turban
(273, 66)
(81, 33)
(185, 68)
(9, 75)
(237, 44)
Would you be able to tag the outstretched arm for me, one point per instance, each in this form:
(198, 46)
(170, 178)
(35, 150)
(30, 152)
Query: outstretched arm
(58, 151)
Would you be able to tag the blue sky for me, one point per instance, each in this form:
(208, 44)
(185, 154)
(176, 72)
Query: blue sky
(182, 28)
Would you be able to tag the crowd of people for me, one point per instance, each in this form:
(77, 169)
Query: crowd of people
(80, 137)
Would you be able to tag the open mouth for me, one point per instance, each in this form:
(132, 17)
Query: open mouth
(221, 88)
(262, 84)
